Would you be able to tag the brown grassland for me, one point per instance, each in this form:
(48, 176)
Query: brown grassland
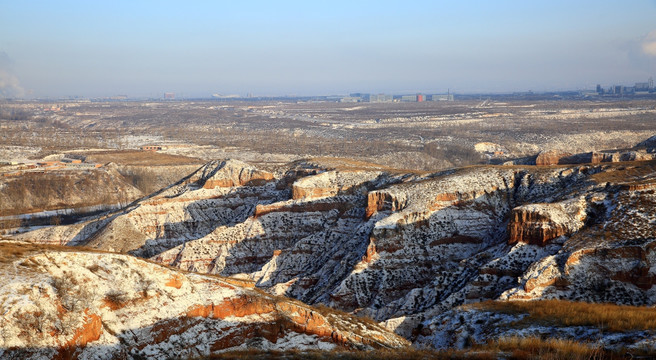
(511, 349)
(138, 157)
(630, 172)
(608, 317)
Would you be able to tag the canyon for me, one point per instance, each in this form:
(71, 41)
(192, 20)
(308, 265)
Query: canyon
(403, 248)
(209, 228)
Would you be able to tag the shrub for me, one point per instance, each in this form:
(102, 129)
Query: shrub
(116, 299)
(73, 296)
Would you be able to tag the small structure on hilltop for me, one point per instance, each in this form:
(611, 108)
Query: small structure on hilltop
(151, 147)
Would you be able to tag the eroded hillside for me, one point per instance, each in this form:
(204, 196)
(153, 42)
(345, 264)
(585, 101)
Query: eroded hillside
(61, 302)
(403, 248)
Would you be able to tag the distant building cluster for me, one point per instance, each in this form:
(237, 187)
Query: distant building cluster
(381, 98)
(637, 89)
(152, 147)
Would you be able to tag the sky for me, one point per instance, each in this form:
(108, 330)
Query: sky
(199, 48)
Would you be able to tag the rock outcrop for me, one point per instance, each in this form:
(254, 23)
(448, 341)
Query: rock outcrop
(218, 194)
(537, 224)
(384, 201)
(610, 261)
(552, 157)
(333, 183)
(231, 173)
(555, 157)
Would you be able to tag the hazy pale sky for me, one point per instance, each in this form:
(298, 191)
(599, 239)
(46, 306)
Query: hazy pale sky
(197, 48)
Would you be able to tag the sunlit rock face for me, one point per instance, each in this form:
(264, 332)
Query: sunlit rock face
(71, 304)
(538, 224)
(553, 157)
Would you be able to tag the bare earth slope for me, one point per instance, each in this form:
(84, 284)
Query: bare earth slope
(65, 303)
(66, 189)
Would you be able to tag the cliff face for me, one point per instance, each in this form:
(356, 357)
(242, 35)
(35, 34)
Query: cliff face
(402, 248)
(232, 173)
(555, 157)
(552, 157)
(333, 183)
(610, 261)
(140, 309)
(380, 200)
(427, 255)
(538, 224)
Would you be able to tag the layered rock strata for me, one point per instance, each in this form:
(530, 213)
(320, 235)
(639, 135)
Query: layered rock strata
(537, 224)
(137, 309)
(405, 249)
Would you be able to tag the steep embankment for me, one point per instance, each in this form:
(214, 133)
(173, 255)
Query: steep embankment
(33, 192)
(56, 194)
(139, 309)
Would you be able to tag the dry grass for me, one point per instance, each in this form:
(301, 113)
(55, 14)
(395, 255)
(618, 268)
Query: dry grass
(608, 317)
(344, 354)
(626, 172)
(12, 251)
(551, 349)
(511, 348)
(346, 164)
(138, 157)
(514, 348)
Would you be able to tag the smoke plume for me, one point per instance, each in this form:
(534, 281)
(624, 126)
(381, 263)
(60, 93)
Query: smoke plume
(649, 44)
(9, 85)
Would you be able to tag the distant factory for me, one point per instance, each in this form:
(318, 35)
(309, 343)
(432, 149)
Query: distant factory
(639, 88)
(382, 98)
